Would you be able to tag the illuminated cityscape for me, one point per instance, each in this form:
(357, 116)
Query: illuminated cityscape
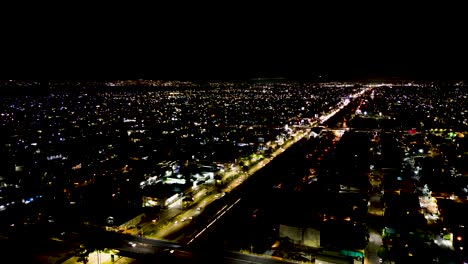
(283, 134)
(274, 169)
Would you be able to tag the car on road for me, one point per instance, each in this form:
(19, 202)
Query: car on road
(219, 195)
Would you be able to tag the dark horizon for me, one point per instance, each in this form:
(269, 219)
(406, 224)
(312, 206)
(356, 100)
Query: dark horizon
(336, 44)
(212, 64)
(360, 73)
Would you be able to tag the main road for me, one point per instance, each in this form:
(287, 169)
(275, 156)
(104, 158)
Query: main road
(175, 219)
(182, 218)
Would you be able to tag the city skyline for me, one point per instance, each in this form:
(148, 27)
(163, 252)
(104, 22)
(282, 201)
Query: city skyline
(288, 170)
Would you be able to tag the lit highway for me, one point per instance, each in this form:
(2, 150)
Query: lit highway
(174, 219)
(160, 236)
(184, 218)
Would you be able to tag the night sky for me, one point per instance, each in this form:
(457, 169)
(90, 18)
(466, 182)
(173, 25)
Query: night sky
(294, 42)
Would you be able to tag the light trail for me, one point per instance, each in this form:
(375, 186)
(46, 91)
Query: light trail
(212, 222)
